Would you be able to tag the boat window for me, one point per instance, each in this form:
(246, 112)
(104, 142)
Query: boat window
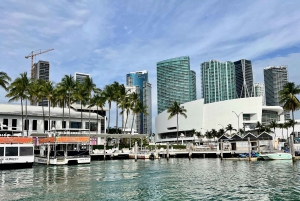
(1, 151)
(11, 151)
(26, 151)
(46, 125)
(34, 125)
(63, 124)
(14, 124)
(93, 126)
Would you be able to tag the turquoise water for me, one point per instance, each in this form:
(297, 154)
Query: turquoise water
(176, 179)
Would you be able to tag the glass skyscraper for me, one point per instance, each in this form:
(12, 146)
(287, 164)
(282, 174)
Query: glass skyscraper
(139, 81)
(218, 81)
(41, 71)
(275, 78)
(175, 82)
(243, 78)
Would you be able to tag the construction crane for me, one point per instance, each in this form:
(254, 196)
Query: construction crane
(32, 55)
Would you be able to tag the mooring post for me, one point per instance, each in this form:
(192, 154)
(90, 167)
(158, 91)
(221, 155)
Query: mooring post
(168, 151)
(48, 154)
(190, 151)
(135, 151)
(221, 146)
(249, 148)
(292, 147)
(104, 152)
(258, 146)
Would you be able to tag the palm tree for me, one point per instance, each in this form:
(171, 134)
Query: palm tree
(89, 87)
(214, 133)
(99, 101)
(48, 90)
(134, 98)
(4, 80)
(69, 84)
(273, 124)
(138, 108)
(259, 126)
(60, 95)
(221, 132)
(116, 87)
(123, 100)
(281, 127)
(176, 109)
(230, 128)
(287, 97)
(126, 104)
(287, 125)
(81, 95)
(108, 93)
(18, 90)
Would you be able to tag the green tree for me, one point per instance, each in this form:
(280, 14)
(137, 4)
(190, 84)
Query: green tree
(48, 91)
(175, 109)
(138, 109)
(133, 99)
(61, 95)
(287, 125)
(281, 127)
(81, 94)
(273, 124)
(287, 97)
(90, 87)
(117, 98)
(99, 101)
(69, 84)
(18, 90)
(259, 126)
(109, 95)
(123, 101)
(126, 106)
(4, 80)
(230, 128)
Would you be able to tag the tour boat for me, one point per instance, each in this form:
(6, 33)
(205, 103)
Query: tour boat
(276, 156)
(16, 152)
(63, 150)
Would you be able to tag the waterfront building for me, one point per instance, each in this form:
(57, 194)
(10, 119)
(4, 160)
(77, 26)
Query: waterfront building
(79, 77)
(138, 82)
(203, 117)
(275, 77)
(11, 119)
(243, 78)
(41, 70)
(218, 81)
(259, 90)
(175, 82)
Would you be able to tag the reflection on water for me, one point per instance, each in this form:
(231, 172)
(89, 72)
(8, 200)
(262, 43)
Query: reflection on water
(176, 179)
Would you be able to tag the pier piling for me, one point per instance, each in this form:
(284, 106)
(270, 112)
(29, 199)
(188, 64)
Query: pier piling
(104, 153)
(167, 151)
(249, 148)
(221, 149)
(135, 151)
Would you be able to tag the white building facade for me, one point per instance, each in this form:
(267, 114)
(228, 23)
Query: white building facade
(243, 112)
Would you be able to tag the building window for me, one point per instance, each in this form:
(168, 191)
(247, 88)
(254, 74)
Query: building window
(26, 151)
(75, 124)
(102, 126)
(63, 124)
(34, 125)
(5, 124)
(93, 126)
(14, 124)
(11, 151)
(1, 151)
(46, 125)
(53, 123)
(26, 124)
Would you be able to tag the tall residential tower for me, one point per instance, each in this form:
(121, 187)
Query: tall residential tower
(175, 82)
(138, 82)
(218, 81)
(41, 71)
(243, 78)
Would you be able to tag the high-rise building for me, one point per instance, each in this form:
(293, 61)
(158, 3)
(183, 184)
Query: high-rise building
(138, 82)
(243, 78)
(218, 81)
(175, 82)
(79, 77)
(259, 91)
(275, 78)
(41, 71)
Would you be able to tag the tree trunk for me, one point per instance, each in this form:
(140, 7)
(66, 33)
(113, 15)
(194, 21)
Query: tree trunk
(97, 121)
(43, 117)
(109, 106)
(63, 113)
(177, 128)
(81, 114)
(117, 115)
(127, 112)
(22, 117)
(89, 114)
(49, 128)
(293, 121)
(132, 124)
(69, 112)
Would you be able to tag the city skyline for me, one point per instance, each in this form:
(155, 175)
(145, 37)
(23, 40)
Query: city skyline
(108, 39)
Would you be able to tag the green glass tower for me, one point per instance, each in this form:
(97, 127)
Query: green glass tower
(218, 81)
(175, 82)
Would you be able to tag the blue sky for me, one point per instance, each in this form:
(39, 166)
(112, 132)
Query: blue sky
(109, 39)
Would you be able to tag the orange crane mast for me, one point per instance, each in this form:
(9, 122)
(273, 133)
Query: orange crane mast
(32, 55)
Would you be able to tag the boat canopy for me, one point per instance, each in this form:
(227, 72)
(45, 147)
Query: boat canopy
(64, 140)
(16, 140)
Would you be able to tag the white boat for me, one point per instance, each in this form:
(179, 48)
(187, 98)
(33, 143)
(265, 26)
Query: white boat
(16, 152)
(276, 156)
(63, 150)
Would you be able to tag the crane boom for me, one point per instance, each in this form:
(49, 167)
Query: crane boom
(32, 55)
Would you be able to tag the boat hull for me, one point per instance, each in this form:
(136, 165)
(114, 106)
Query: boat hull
(63, 161)
(276, 156)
